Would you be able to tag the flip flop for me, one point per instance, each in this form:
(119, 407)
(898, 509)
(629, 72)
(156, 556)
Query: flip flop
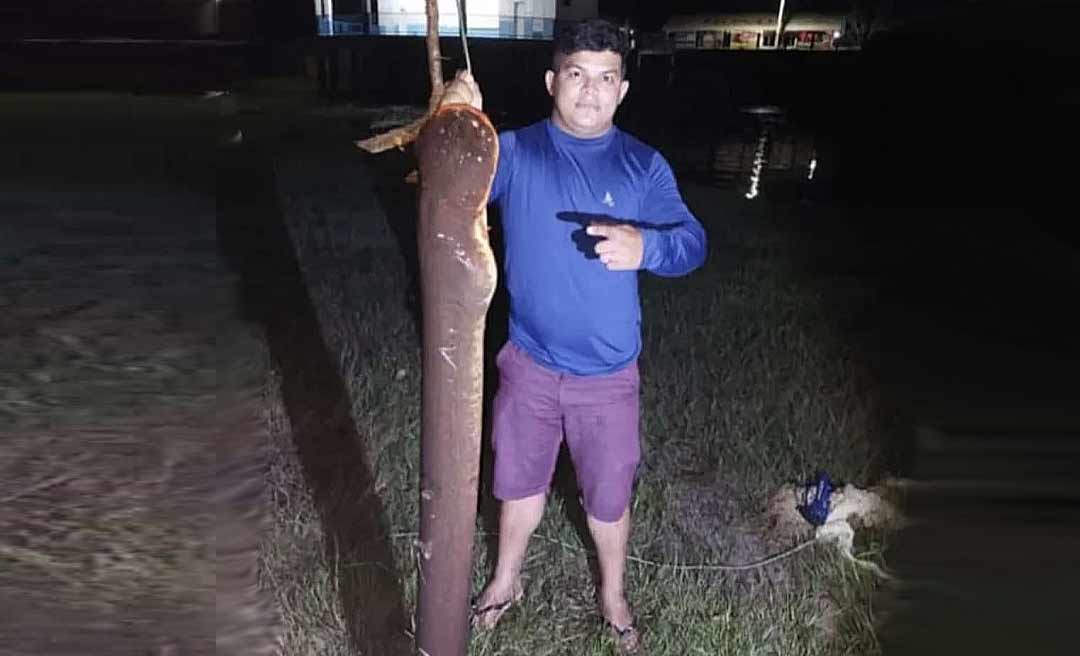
(627, 639)
(487, 617)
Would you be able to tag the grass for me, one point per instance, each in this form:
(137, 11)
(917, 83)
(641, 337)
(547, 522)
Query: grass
(119, 341)
(108, 443)
(746, 387)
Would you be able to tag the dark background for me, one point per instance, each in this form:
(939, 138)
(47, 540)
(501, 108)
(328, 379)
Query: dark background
(966, 102)
(964, 105)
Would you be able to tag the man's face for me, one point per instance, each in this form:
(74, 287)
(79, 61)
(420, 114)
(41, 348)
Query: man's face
(587, 89)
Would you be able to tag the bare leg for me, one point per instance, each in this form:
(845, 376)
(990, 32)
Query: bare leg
(611, 539)
(517, 521)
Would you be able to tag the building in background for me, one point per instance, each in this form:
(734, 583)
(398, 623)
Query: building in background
(504, 19)
(757, 31)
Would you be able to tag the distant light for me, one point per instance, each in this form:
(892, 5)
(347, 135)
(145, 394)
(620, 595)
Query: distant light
(836, 34)
(813, 167)
(759, 164)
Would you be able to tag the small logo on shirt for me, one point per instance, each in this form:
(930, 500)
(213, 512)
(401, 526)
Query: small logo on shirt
(608, 200)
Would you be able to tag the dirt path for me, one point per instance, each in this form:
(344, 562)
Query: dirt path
(129, 385)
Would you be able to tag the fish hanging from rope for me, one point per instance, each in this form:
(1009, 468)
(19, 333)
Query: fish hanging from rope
(457, 150)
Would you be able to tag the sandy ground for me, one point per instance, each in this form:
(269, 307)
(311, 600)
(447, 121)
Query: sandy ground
(129, 385)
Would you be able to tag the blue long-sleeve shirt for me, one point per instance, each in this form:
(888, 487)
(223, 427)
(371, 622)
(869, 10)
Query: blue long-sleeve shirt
(567, 310)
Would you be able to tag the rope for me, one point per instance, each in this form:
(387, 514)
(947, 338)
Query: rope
(464, 39)
(652, 563)
(697, 567)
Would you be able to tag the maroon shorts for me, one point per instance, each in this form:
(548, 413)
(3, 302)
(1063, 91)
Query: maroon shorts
(535, 407)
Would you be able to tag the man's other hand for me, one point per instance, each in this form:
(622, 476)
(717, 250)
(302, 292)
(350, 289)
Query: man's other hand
(463, 90)
(621, 248)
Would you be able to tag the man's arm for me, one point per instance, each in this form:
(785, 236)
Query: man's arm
(669, 241)
(674, 244)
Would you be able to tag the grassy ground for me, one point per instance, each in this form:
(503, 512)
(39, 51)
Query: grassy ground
(125, 371)
(745, 388)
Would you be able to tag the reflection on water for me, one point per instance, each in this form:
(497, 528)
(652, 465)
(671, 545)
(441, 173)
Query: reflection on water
(759, 161)
(758, 150)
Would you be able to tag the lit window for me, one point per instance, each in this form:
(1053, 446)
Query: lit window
(683, 39)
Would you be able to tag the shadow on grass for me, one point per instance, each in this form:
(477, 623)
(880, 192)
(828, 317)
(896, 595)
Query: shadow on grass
(398, 200)
(255, 242)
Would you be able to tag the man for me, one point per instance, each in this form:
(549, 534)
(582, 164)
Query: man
(570, 366)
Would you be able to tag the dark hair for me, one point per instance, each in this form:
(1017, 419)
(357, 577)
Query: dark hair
(594, 35)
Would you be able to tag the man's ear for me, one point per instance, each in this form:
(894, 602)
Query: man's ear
(549, 80)
(624, 86)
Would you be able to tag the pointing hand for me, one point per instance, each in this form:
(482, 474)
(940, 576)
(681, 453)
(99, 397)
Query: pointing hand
(621, 248)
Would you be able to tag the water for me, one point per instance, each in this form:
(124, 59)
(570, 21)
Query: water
(759, 152)
(989, 566)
